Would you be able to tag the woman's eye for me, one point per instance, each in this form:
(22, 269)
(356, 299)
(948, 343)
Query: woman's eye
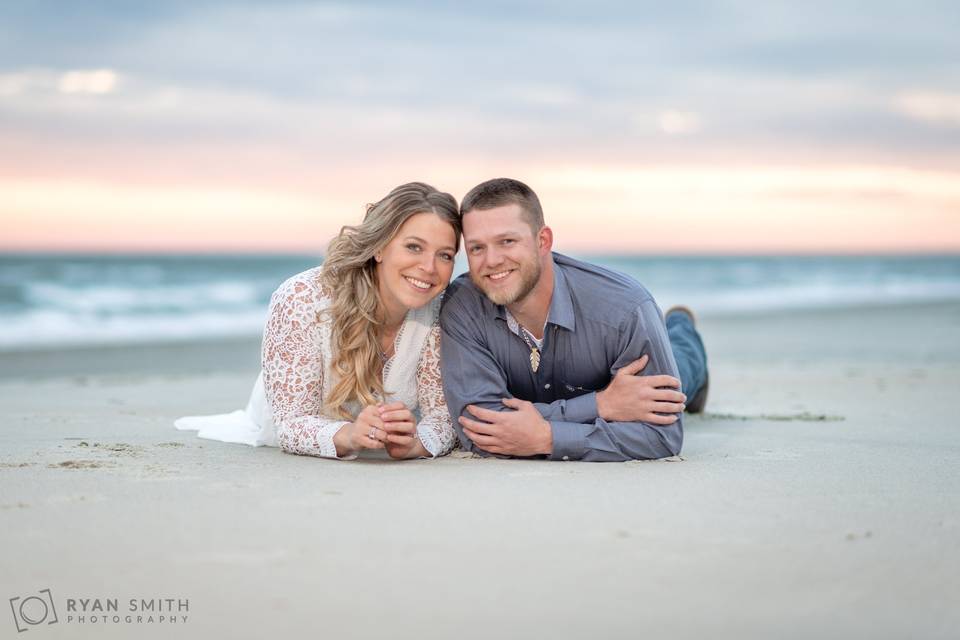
(446, 257)
(413, 247)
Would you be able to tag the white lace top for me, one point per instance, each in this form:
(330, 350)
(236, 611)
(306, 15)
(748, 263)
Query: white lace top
(297, 353)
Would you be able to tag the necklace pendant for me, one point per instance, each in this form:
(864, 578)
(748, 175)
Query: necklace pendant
(534, 359)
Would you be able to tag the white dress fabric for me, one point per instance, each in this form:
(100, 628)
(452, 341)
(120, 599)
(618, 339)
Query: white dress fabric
(286, 405)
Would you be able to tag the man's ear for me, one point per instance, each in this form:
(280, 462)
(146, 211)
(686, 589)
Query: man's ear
(545, 239)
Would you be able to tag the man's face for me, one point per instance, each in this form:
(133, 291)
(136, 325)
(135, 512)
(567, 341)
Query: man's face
(503, 252)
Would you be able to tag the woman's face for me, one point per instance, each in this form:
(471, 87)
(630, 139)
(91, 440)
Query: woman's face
(417, 264)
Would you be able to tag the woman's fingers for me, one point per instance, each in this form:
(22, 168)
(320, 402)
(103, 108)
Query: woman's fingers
(401, 415)
(373, 429)
(370, 421)
(404, 426)
(372, 437)
(399, 439)
(370, 416)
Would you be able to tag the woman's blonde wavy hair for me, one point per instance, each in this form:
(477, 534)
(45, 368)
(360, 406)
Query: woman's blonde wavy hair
(350, 276)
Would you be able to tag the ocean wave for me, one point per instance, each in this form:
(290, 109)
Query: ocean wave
(47, 329)
(52, 302)
(76, 325)
(125, 299)
(812, 296)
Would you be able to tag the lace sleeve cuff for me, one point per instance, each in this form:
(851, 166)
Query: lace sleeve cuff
(429, 440)
(307, 438)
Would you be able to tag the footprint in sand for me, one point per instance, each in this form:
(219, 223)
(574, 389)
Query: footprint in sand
(115, 449)
(81, 464)
(803, 416)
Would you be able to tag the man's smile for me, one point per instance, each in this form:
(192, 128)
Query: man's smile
(500, 275)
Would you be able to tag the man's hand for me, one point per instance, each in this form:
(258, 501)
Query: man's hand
(519, 431)
(633, 398)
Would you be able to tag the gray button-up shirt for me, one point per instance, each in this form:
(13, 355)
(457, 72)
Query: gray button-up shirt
(599, 321)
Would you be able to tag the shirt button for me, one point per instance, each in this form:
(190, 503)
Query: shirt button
(566, 458)
(546, 386)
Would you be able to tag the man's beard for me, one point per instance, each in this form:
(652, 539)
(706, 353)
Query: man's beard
(529, 273)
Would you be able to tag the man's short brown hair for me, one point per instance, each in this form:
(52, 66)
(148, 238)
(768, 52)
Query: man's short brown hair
(502, 191)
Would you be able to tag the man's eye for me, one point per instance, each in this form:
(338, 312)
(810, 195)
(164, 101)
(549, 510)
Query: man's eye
(507, 241)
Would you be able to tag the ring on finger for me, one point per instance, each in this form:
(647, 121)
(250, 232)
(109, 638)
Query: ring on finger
(373, 433)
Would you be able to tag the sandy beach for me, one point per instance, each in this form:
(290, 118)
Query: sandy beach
(817, 497)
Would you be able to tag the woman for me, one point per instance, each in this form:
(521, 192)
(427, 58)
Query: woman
(351, 349)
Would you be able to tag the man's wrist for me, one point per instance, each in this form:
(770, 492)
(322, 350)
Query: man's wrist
(547, 447)
(602, 404)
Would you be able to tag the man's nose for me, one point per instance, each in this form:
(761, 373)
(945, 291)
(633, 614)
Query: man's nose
(492, 257)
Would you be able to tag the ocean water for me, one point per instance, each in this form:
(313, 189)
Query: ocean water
(58, 300)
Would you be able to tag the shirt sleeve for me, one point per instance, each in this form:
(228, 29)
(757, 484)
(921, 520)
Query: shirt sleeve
(293, 370)
(582, 408)
(473, 376)
(605, 441)
(435, 429)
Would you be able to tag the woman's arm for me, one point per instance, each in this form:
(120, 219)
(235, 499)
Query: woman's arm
(435, 429)
(293, 371)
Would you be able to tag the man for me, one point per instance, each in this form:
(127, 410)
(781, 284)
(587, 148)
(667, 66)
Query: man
(540, 353)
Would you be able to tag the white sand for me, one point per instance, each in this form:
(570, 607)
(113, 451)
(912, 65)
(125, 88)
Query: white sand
(817, 498)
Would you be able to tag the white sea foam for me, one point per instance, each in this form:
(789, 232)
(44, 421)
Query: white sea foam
(129, 298)
(52, 302)
(58, 329)
(819, 295)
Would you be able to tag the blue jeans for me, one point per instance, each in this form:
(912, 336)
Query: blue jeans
(689, 353)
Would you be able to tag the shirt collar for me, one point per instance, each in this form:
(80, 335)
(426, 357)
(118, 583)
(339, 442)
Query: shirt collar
(561, 304)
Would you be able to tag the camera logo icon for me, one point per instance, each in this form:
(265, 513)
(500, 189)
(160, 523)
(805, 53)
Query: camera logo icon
(31, 611)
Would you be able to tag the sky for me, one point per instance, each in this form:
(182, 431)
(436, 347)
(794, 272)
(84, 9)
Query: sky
(686, 127)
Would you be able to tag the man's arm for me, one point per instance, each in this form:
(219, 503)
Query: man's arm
(468, 364)
(471, 374)
(612, 440)
(630, 397)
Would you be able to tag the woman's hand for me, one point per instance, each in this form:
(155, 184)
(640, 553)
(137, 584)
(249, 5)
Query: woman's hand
(401, 428)
(365, 432)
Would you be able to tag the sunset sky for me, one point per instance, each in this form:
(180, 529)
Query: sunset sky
(646, 127)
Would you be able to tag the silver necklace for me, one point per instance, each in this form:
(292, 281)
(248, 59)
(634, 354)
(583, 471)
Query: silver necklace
(534, 351)
(384, 354)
